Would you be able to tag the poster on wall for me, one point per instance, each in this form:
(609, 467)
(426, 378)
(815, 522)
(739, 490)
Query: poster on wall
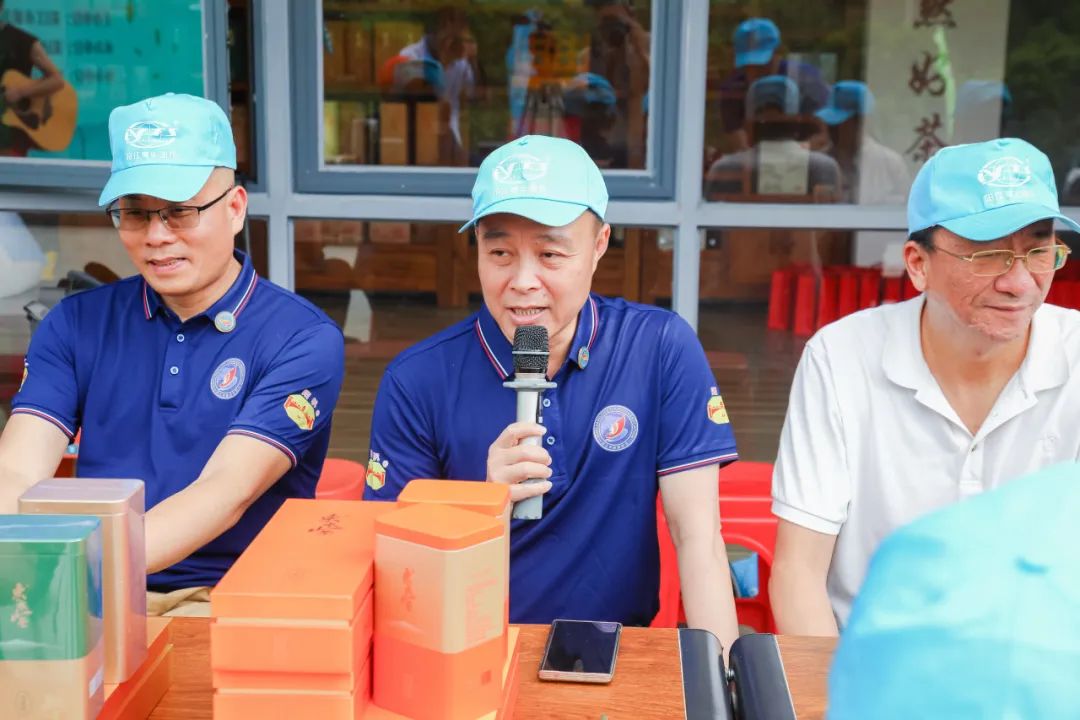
(65, 64)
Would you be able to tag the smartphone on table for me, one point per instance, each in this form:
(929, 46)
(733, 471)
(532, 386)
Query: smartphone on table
(581, 651)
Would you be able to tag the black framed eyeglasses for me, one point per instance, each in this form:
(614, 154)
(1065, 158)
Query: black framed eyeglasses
(990, 263)
(174, 217)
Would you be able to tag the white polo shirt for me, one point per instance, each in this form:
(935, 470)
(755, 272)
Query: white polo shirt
(870, 442)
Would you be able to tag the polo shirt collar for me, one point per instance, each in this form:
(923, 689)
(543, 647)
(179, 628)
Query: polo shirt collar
(499, 350)
(234, 300)
(1045, 365)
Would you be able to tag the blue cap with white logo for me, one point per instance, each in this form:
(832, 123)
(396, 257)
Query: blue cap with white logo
(985, 191)
(756, 40)
(548, 180)
(971, 612)
(847, 99)
(166, 147)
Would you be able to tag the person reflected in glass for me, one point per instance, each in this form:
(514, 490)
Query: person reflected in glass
(443, 64)
(591, 116)
(874, 174)
(759, 53)
(983, 108)
(777, 163)
(619, 52)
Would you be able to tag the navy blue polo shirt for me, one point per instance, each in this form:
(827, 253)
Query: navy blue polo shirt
(154, 397)
(636, 399)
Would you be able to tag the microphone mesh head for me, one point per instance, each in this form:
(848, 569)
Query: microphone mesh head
(530, 349)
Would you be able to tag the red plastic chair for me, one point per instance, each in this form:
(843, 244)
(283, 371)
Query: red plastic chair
(746, 513)
(341, 480)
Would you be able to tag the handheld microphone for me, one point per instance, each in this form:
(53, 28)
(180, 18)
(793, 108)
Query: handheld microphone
(530, 381)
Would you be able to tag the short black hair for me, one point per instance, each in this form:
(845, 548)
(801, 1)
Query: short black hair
(924, 237)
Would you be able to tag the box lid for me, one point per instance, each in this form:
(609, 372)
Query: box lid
(50, 586)
(313, 560)
(482, 497)
(439, 526)
(47, 534)
(91, 496)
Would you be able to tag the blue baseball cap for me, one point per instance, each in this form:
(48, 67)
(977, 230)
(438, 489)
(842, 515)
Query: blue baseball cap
(756, 40)
(847, 99)
(166, 147)
(971, 612)
(778, 90)
(548, 180)
(984, 191)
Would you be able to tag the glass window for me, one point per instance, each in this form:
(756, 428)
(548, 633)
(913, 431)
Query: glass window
(392, 284)
(65, 64)
(760, 292)
(843, 102)
(445, 85)
(242, 85)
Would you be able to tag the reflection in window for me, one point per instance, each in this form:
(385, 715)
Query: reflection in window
(844, 102)
(447, 85)
(66, 64)
(754, 317)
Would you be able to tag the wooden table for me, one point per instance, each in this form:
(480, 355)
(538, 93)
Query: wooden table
(647, 682)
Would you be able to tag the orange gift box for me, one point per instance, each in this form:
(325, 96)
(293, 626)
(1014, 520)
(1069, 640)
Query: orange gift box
(440, 594)
(268, 704)
(312, 561)
(291, 646)
(510, 683)
(483, 497)
(137, 696)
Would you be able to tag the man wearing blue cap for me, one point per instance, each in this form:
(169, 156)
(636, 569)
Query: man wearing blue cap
(757, 42)
(777, 163)
(213, 387)
(875, 174)
(905, 408)
(636, 408)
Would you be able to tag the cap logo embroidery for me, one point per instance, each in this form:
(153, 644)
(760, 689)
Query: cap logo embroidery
(520, 168)
(1006, 172)
(149, 134)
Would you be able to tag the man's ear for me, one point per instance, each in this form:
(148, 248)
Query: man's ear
(601, 246)
(917, 262)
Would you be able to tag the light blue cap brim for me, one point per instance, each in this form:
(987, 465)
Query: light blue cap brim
(834, 116)
(553, 213)
(174, 183)
(758, 56)
(1001, 221)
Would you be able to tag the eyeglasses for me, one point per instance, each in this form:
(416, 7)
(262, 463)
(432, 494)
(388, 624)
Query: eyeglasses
(989, 263)
(174, 217)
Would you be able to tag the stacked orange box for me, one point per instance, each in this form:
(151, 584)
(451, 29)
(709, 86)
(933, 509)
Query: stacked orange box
(486, 498)
(510, 684)
(293, 617)
(440, 644)
(136, 697)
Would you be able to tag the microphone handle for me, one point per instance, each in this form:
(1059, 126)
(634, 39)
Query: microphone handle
(528, 410)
